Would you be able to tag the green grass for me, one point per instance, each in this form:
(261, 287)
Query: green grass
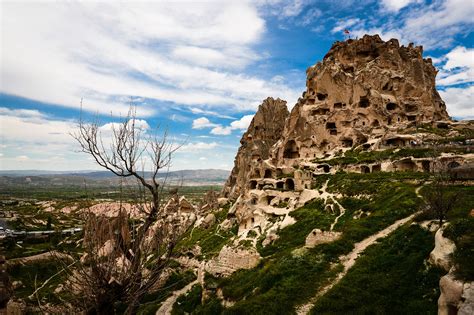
(277, 285)
(285, 278)
(390, 278)
(461, 231)
(309, 217)
(151, 302)
(187, 303)
(393, 201)
(367, 157)
(211, 240)
(33, 275)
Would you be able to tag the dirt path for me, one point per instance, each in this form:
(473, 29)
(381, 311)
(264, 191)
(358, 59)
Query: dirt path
(167, 306)
(342, 212)
(326, 195)
(349, 260)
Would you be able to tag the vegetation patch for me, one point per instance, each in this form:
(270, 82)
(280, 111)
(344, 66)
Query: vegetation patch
(33, 275)
(308, 217)
(277, 285)
(461, 231)
(390, 278)
(176, 281)
(211, 240)
(188, 302)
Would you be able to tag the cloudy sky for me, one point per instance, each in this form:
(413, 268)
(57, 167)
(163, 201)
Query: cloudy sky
(199, 69)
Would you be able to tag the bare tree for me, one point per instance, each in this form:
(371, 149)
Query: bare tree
(123, 262)
(440, 197)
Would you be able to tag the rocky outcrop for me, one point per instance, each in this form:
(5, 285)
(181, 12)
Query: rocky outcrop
(466, 306)
(451, 292)
(317, 236)
(457, 297)
(265, 129)
(364, 93)
(232, 259)
(362, 89)
(444, 249)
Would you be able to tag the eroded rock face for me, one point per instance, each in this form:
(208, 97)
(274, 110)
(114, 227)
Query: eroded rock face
(317, 236)
(265, 129)
(364, 94)
(451, 292)
(441, 254)
(231, 259)
(361, 89)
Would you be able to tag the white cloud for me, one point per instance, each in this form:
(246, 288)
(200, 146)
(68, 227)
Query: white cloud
(22, 158)
(243, 123)
(221, 131)
(218, 129)
(108, 51)
(433, 26)
(22, 113)
(35, 141)
(196, 110)
(198, 146)
(139, 124)
(459, 101)
(22, 128)
(460, 57)
(202, 122)
(233, 58)
(396, 5)
(343, 24)
(293, 8)
(310, 16)
(458, 67)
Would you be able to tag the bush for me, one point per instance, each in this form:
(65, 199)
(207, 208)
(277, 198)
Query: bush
(187, 303)
(461, 231)
(309, 217)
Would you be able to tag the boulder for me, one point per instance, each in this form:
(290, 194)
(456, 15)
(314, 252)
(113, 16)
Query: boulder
(317, 236)
(441, 254)
(208, 221)
(451, 293)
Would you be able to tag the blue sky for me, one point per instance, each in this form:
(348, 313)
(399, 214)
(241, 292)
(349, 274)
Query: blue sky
(198, 69)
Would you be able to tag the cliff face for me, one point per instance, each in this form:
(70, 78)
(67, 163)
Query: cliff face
(361, 89)
(265, 129)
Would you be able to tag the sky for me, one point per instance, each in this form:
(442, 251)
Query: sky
(198, 69)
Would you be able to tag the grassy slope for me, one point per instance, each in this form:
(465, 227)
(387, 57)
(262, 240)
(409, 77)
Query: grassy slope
(286, 278)
(390, 278)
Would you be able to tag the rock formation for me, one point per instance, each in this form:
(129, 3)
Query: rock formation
(264, 130)
(362, 89)
(364, 94)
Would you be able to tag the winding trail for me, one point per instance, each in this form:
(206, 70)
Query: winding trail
(349, 260)
(342, 212)
(326, 195)
(167, 306)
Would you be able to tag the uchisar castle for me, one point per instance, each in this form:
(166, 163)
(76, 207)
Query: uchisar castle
(313, 188)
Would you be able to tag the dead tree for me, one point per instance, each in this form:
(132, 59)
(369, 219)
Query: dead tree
(123, 262)
(440, 198)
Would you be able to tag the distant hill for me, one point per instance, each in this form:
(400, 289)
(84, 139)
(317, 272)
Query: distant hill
(187, 177)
